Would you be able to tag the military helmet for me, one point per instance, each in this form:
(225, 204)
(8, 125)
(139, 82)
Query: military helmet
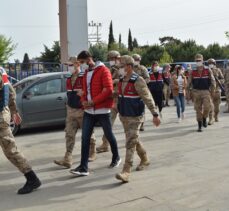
(136, 57)
(211, 61)
(125, 60)
(113, 54)
(199, 57)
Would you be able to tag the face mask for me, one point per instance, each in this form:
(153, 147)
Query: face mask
(136, 63)
(155, 69)
(211, 65)
(84, 67)
(122, 72)
(112, 63)
(71, 69)
(199, 64)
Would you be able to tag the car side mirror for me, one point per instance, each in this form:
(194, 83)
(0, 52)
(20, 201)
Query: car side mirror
(27, 95)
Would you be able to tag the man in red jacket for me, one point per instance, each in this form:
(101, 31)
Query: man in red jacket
(97, 102)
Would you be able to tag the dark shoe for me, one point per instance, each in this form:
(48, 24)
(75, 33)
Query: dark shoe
(115, 163)
(205, 122)
(199, 126)
(32, 183)
(79, 171)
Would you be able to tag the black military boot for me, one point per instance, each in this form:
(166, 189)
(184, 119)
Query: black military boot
(32, 182)
(199, 126)
(205, 122)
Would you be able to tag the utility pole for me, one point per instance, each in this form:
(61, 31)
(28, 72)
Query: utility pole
(94, 37)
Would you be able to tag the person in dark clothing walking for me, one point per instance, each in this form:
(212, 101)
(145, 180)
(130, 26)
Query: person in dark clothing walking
(156, 85)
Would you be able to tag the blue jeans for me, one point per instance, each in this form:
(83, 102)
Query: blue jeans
(89, 121)
(180, 104)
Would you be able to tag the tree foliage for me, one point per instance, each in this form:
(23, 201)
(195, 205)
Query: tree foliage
(6, 48)
(26, 62)
(152, 53)
(99, 51)
(165, 58)
(111, 39)
(51, 54)
(135, 43)
(130, 41)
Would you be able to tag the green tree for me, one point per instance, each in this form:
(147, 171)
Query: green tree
(26, 62)
(135, 43)
(111, 39)
(99, 51)
(165, 58)
(6, 48)
(51, 55)
(152, 53)
(120, 41)
(169, 40)
(130, 41)
(215, 51)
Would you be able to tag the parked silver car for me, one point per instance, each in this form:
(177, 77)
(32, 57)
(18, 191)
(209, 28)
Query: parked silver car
(41, 100)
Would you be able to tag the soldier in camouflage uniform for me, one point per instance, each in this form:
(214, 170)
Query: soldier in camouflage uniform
(113, 58)
(75, 113)
(7, 140)
(202, 83)
(142, 71)
(216, 97)
(133, 93)
(226, 86)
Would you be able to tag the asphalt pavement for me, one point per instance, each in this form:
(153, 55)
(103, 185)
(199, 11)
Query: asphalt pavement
(188, 171)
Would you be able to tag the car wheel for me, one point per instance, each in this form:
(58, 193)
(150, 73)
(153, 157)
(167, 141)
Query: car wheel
(14, 128)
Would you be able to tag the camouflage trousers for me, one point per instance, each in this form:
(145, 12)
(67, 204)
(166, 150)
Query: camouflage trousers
(114, 113)
(166, 91)
(131, 128)
(215, 104)
(202, 103)
(74, 121)
(8, 144)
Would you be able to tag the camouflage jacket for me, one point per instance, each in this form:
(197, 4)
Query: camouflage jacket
(142, 71)
(217, 73)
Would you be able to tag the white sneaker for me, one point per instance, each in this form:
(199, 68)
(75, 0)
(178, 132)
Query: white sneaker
(182, 116)
(179, 120)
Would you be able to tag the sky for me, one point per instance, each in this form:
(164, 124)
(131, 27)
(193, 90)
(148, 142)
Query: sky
(33, 23)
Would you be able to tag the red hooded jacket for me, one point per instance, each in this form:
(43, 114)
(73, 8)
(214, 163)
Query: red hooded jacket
(101, 88)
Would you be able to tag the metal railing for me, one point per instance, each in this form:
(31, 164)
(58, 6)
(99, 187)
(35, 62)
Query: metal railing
(18, 71)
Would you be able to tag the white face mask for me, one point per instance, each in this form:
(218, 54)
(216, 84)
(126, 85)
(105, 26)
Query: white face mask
(71, 69)
(211, 65)
(122, 72)
(156, 69)
(199, 64)
(84, 67)
(112, 63)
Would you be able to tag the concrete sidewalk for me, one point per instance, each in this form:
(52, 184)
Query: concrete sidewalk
(188, 171)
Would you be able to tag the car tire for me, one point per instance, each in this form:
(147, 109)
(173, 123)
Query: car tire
(14, 128)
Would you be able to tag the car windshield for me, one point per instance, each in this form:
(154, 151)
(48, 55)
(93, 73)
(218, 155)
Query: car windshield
(21, 85)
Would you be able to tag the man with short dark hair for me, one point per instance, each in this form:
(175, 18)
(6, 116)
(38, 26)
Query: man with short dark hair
(97, 102)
